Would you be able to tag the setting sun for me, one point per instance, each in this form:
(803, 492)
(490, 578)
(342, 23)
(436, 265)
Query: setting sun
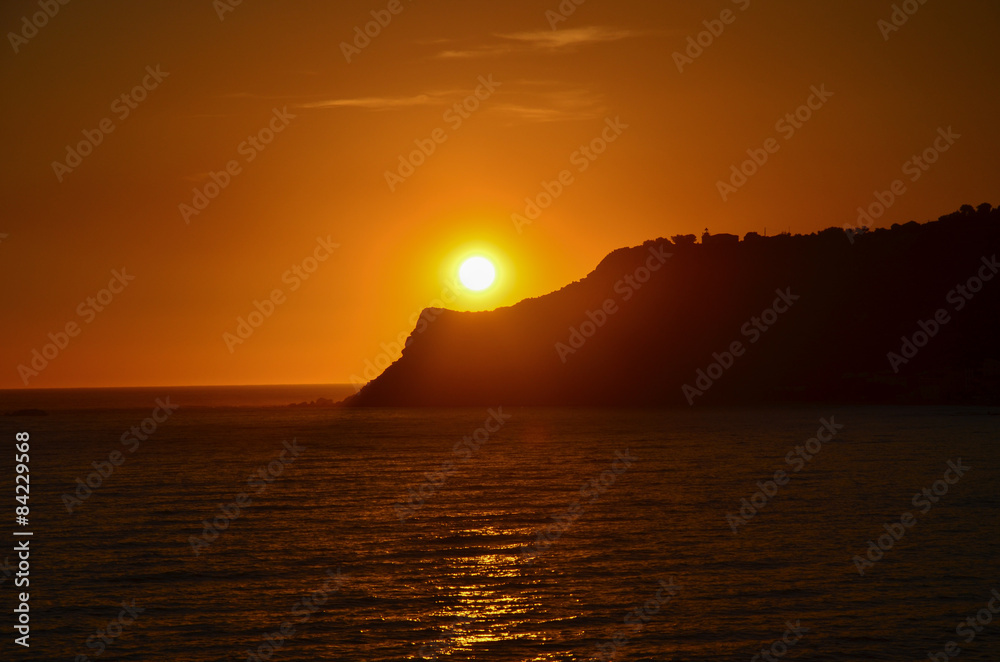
(477, 273)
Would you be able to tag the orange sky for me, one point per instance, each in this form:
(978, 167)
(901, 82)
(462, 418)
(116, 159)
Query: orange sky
(334, 128)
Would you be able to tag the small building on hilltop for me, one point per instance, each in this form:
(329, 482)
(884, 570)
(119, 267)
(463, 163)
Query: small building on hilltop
(723, 239)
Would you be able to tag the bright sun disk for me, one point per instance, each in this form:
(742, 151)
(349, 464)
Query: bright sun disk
(477, 273)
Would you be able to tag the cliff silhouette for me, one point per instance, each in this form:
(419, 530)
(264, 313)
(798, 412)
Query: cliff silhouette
(856, 316)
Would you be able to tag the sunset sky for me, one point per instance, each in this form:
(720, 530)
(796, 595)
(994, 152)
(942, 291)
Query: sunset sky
(336, 127)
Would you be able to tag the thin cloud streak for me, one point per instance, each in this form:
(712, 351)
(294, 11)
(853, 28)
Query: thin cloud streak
(524, 101)
(540, 114)
(375, 103)
(544, 40)
(574, 37)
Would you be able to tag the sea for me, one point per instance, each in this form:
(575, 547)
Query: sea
(220, 523)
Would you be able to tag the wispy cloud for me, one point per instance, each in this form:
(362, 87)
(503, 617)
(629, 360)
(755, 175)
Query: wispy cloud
(543, 40)
(377, 103)
(575, 37)
(529, 113)
(549, 101)
(523, 100)
(479, 52)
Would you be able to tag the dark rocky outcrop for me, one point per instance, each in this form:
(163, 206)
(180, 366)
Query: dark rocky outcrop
(858, 296)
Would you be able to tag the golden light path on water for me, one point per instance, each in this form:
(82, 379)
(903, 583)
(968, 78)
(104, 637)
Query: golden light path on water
(481, 602)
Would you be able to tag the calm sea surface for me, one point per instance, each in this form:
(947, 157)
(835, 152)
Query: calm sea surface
(553, 534)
